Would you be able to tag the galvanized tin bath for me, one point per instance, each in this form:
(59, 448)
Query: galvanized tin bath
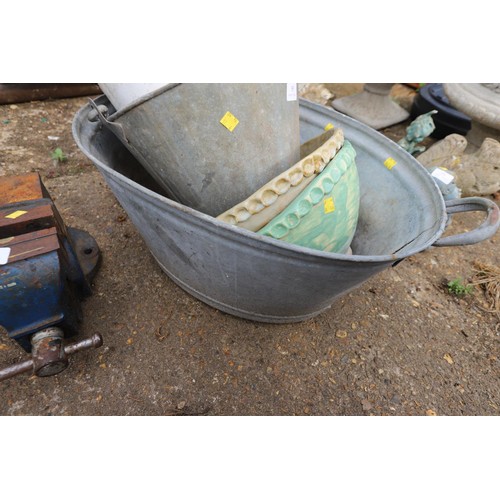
(256, 277)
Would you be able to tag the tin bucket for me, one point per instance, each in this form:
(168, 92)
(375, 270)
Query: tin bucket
(122, 95)
(211, 145)
(259, 278)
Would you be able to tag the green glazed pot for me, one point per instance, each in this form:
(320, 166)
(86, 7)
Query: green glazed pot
(324, 216)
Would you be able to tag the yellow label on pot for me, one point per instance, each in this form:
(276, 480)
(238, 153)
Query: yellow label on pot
(229, 121)
(329, 126)
(328, 205)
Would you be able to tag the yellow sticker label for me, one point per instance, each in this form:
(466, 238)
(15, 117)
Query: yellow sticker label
(390, 162)
(16, 214)
(229, 121)
(329, 126)
(328, 204)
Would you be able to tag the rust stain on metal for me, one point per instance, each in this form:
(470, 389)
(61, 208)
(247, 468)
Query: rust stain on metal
(48, 352)
(21, 188)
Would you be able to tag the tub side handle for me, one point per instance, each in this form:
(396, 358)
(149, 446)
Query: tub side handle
(485, 231)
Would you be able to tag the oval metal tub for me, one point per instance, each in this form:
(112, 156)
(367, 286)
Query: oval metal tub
(256, 277)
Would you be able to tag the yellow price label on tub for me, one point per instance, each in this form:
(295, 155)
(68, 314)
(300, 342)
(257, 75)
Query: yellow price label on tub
(328, 205)
(328, 126)
(390, 162)
(229, 121)
(16, 214)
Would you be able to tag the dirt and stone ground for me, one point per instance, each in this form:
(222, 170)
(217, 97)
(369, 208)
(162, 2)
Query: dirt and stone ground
(398, 345)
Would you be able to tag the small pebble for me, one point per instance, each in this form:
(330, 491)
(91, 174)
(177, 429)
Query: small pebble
(448, 359)
(366, 405)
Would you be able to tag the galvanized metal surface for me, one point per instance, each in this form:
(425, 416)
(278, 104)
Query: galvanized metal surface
(248, 275)
(122, 95)
(405, 187)
(177, 136)
(485, 231)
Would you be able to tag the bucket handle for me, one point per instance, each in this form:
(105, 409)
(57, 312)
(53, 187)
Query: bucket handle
(485, 231)
(99, 113)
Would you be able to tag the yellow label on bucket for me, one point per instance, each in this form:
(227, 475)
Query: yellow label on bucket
(16, 214)
(328, 126)
(328, 205)
(229, 121)
(390, 162)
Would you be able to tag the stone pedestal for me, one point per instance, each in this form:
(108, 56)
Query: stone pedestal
(373, 106)
(481, 102)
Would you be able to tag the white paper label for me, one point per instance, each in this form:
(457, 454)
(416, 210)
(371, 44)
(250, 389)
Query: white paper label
(4, 255)
(291, 91)
(443, 176)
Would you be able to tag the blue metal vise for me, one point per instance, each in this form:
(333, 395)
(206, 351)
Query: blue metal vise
(45, 271)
